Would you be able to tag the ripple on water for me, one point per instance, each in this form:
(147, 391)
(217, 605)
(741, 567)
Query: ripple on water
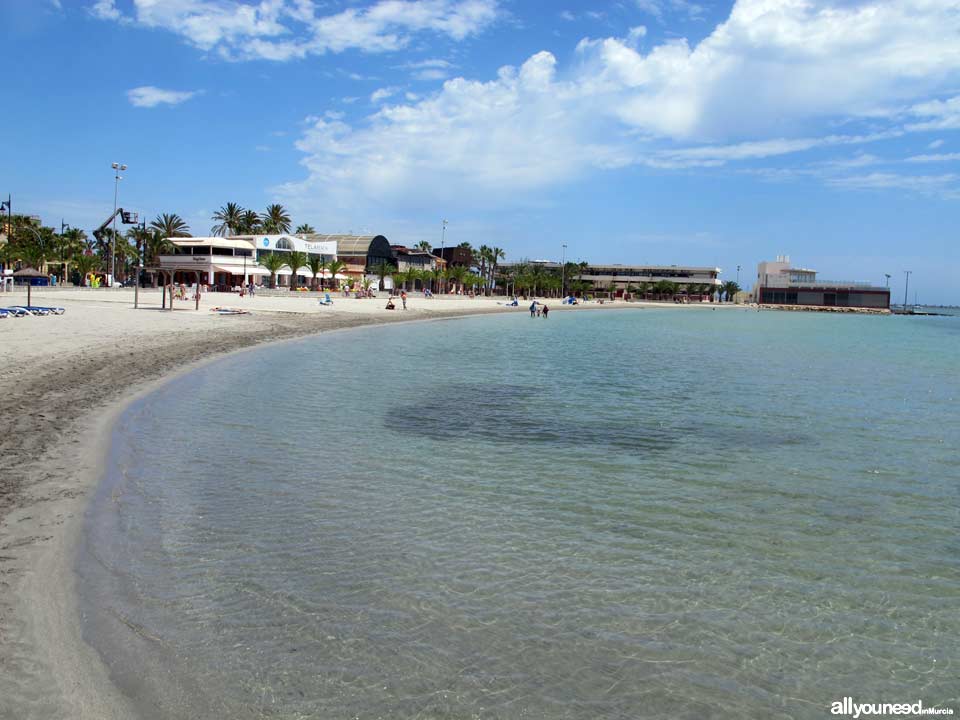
(583, 518)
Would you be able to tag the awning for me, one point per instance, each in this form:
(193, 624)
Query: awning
(251, 270)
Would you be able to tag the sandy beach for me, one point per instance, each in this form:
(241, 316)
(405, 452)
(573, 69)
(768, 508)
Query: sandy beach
(63, 381)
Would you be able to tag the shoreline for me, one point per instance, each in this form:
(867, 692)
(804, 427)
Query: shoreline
(62, 407)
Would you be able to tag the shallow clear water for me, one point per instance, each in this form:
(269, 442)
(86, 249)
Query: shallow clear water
(605, 514)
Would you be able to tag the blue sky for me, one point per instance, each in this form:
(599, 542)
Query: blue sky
(660, 131)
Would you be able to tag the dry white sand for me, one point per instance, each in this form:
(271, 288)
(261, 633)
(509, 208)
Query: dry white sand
(63, 381)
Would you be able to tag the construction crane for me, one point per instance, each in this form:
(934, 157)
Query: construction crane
(126, 218)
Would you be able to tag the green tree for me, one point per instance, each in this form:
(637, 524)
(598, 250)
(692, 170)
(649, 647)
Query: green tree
(171, 225)
(424, 245)
(249, 223)
(317, 265)
(382, 270)
(730, 289)
(496, 255)
(305, 229)
(457, 274)
(84, 264)
(295, 261)
(229, 220)
(276, 219)
(273, 263)
(335, 267)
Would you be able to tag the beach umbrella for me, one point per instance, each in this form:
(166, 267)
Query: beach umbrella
(28, 273)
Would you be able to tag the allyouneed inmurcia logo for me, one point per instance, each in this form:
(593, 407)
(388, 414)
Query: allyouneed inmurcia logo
(855, 710)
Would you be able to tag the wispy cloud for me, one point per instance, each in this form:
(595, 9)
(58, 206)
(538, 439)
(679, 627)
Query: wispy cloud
(282, 30)
(935, 158)
(947, 184)
(148, 96)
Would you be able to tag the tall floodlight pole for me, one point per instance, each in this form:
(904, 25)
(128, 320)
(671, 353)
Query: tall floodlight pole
(738, 276)
(117, 177)
(906, 289)
(887, 276)
(443, 241)
(563, 270)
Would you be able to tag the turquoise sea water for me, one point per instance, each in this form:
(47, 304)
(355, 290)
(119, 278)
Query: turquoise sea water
(610, 514)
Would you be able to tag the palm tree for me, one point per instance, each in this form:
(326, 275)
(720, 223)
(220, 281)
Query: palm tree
(276, 219)
(85, 264)
(273, 263)
(317, 265)
(229, 220)
(171, 225)
(382, 269)
(335, 267)
(400, 278)
(424, 245)
(730, 289)
(249, 223)
(496, 255)
(295, 261)
(305, 229)
(457, 274)
(435, 277)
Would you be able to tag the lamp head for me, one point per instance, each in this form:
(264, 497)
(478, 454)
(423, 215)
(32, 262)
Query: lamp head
(114, 165)
(123, 167)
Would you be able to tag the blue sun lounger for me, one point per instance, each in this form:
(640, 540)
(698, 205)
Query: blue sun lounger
(33, 309)
(16, 311)
(326, 300)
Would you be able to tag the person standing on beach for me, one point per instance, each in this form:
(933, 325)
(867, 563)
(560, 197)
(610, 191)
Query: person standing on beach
(403, 298)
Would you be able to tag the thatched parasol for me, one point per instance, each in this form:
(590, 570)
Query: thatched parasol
(28, 272)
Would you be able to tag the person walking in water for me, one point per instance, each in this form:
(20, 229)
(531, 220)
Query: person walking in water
(533, 309)
(544, 311)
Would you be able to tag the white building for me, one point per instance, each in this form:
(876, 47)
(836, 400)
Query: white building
(225, 263)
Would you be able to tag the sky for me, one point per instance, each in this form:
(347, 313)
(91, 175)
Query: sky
(632, 131)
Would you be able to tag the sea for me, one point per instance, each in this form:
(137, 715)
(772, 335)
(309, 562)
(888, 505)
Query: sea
(656, 513)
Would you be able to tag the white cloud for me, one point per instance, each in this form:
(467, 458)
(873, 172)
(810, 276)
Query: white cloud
(937, 114)
(383, 93)
(148, 96)
(935, 144)
(105, 10)
(943, 157)
(282, 30)
(764, 84)
(947, 185)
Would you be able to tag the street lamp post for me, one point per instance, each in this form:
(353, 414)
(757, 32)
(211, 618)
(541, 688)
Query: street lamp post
(563, 270)
(887, 276)
(906, 288)
(443, 242)
(117, 177)
(738, 276)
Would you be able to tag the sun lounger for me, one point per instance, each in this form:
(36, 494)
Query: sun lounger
(326, 300)
(33, 310)
(229, 311)
(4, 313)
(54, 310)
(16, 312)
(43, 310)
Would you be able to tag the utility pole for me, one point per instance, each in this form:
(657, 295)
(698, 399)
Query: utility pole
(117, 177)
(906, 289)
(443, 241)
(738, 276)
(141, 248)
(563, 271)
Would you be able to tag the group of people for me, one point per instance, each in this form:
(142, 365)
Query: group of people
(403, 299)
(538, 309)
